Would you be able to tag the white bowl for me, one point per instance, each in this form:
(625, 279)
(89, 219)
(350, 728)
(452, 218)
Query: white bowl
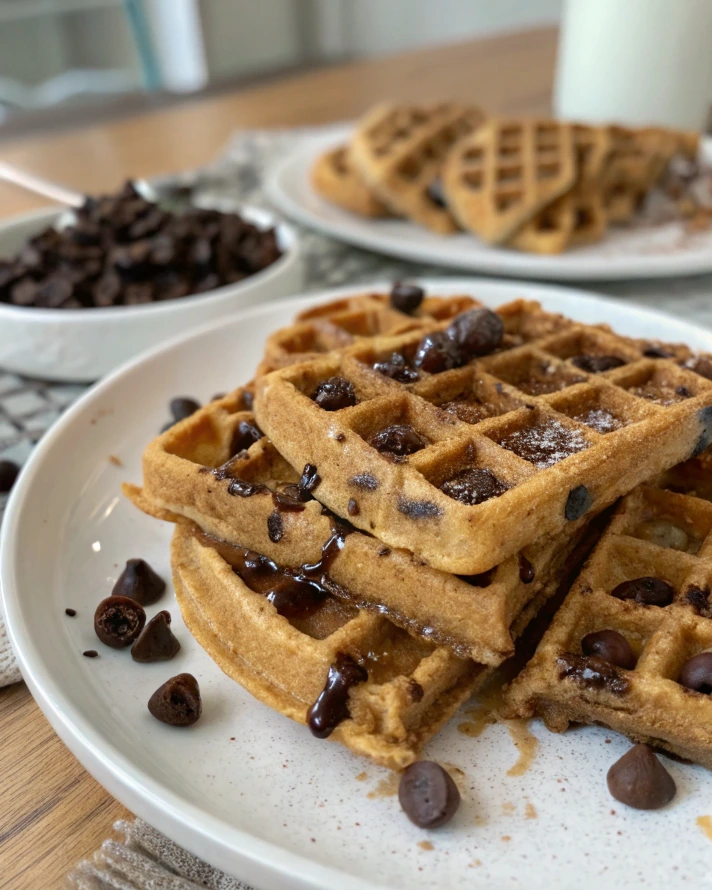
(81, 345)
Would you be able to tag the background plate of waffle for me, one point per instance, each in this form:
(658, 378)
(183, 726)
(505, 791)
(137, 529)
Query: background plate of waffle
(635, 251)
(245, 788)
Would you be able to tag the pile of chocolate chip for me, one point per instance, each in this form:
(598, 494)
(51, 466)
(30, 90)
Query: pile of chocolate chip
(125, 251)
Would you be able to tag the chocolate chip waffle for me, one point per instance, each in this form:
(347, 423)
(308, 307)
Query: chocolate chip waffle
(335, 178)
(400, 150)
(216, 470)
(501, 176)
(406, 689)
(467, 466)
(349, 320)
(625, 649)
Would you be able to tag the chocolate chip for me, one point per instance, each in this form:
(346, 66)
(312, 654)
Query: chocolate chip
(415, 690)
(182, 407)
(384, 551)
(477, 332)
(406, 297)
(139, 582)
(9, 472)
(526, 570)
(592, 672)
(647, 591)
(275, 529)
(653, 351)
(364, 480)
(611, 647)
(90, 653)
(71, 612)
(242, 489)
(177, 702)
(418, 509)
(118, 620)
(698, 598)
(248, 399)
(399, 439)
(705, 439)
(309, 481)
(245, 435)
(436, 352)
(596, 364)
(397, 368)
(639, 780)
(474, 486)
(696, 673)
(353, 508)
(296, 597)
(683, 392)
(427, 794)
(578, 502)
(481, 579)
(334, 394)
(156, 642)
(332, 705)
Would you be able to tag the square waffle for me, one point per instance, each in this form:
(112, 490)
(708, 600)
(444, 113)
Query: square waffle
(501, 176)
(198, 472)
(659, 532)
(400, 150)
(346, 321)
(553, 438)
(335, 178)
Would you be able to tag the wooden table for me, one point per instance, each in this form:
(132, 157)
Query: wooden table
(52, 813)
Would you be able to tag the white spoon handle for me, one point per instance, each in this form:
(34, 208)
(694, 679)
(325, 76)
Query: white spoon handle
(41, 186)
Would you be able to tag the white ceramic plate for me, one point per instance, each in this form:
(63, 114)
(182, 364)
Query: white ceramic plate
(81, 345)
(246, 789)
(652, 252)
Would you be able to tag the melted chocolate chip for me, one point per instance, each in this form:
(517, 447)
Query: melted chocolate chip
(71, 612)
(309, 481)
(182, 407)
(698, 598)
(474, 486)
(428, 795)
(177, 702)
(156, 642)
(400, 440)
(526, 570)
(406, 297)
(647, 591)
(364, 480)
(477, 332)
(705, 439)
(418, 509)
(397, 368)
(290, 499)
(241, 489)
(9, 471)
(118, 620)
(334, 394)
(139, 582)
(482, 579)
(696, 673)
(653, 351)
(248, 400)
(275, 528)
(353, 508)
(245, 435)
(592, 672)
(596, 364)
(436, 352)
(415, 690)
(578, 502)
(639, 780)
(296, 597)
(611, 647)
(332, 705)
(384, 551)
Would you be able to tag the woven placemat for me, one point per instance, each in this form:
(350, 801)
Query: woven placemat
(138, 857)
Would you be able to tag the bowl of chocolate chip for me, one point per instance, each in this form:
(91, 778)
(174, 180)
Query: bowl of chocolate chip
(84, 291)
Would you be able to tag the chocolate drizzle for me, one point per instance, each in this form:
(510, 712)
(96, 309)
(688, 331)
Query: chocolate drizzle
(332, 705)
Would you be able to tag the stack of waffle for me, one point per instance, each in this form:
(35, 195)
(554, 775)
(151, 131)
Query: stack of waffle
(364, 531)
(541, 186)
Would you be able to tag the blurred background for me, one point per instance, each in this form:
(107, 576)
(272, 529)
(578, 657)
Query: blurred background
(64, 62)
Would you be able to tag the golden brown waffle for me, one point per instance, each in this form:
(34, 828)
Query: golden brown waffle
(192, 474)
(400, 150)
(413, 687)
(335, 178)
(349, 320)
(561, 441)
(658, 532)
(501, 176)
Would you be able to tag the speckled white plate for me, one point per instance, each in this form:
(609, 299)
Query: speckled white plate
(642, 252)
(246, 789)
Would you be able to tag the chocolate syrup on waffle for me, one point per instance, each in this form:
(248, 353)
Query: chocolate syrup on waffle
(332, 706)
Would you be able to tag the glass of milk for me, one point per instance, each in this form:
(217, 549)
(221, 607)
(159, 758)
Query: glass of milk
(636, 62)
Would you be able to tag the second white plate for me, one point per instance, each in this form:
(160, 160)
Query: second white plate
(648, 252)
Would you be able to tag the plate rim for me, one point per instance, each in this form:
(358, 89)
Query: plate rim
(261, 862)
(509, 264)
